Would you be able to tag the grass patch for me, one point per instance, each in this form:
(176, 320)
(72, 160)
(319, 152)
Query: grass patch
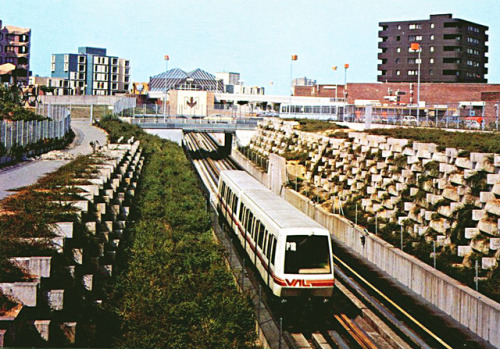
(174, 290)
(467, 141)
(311, 125)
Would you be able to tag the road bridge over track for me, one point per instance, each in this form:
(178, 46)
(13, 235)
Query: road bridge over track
(195, 125)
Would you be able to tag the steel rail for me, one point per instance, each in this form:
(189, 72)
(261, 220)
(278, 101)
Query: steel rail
(397, 307)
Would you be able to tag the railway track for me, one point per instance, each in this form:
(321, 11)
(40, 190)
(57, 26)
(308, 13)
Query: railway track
(362, 316)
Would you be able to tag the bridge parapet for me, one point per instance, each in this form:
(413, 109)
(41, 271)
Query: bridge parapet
(195, 125)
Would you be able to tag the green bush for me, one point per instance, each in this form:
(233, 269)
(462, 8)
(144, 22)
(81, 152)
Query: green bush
(11, 106)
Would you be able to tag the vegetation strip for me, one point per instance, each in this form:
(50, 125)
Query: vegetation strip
(174, 289)
(30, 214)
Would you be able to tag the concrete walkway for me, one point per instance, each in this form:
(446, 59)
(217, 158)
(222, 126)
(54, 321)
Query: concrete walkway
(28, 172)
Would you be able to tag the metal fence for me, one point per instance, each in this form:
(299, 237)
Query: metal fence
(22, 133)
(153, 110)
(463, 115)
(124, 104)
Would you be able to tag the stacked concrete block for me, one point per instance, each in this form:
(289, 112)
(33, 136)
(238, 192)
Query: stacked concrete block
(115, 179)
(379, 167)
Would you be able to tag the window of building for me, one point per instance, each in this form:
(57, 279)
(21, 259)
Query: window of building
(431, 60)
(415, 26)
(53, 58)
(432, 25)
(398, 72)
(66, 66)
(432, 37)
(398, 50)
(412, 61)
(431, 49)
(398, 38)
(412, 72)
(396, 61)
(66, 58)
(399, 27)
(431, 72)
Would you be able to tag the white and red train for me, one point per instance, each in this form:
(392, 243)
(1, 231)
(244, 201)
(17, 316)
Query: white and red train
(292, 253)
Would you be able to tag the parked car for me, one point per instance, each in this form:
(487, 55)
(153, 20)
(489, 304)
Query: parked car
(409, 120)
(472, 124)
(218, 118)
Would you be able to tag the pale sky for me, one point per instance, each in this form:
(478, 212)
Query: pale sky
(253, 37)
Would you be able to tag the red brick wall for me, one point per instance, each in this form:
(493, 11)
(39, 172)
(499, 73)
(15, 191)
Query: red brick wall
(430, 93)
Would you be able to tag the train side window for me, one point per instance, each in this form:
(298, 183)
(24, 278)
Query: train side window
(222, 189)
(250, 223)
(269, 245)
(273, 253)
(265, 247)
(228, 198)
(255, 229)
(241, 211)
(261, 236)
(247, 219)
(257, 232)
(235, 203)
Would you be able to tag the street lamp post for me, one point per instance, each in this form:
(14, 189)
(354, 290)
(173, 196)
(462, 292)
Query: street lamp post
(334, 68)
(346, 66)
(167, 58)
(294, 58)
(416, 47)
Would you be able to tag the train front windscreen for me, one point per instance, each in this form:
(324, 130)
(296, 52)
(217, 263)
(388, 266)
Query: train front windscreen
(307, 254)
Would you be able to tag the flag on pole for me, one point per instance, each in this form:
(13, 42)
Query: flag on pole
(346, 65)
(167, 57)
(334, 67)
(294, 57)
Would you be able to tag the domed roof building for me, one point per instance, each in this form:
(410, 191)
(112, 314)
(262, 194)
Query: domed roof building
(178, 79)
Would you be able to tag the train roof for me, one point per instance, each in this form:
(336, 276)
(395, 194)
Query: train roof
(276, 208)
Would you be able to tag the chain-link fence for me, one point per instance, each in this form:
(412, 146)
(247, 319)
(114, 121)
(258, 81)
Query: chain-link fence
(482, 115)
(23, 133)
(156, 110)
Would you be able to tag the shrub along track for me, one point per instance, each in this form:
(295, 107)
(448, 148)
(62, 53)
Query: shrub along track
(173, 289)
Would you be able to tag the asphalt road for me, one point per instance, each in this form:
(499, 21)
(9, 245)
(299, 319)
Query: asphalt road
(28, 172)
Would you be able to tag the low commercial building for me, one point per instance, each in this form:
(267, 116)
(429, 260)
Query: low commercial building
(472, 98)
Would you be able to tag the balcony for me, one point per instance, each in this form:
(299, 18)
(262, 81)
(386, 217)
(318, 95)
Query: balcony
(383, 44)
(451, 66)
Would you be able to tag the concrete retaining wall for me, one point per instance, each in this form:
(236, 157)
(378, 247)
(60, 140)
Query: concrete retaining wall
(470, 308)
(113, 180)
(475, 311)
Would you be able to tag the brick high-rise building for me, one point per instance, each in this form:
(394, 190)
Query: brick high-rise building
(452, 50)
(15, 49)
